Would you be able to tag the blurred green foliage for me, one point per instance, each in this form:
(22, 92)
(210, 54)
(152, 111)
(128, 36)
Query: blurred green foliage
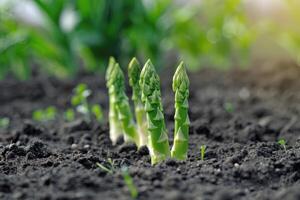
(213, 33)
(69, 115)
(4, 122)
(98, 29)
(13, 47)
(288, 35)
(84, 33)
(43, 115)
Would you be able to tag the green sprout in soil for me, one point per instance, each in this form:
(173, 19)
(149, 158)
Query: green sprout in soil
(80, 101)
(282, 143)
(97, 112)
(116, 85)
(134, 71)
(69, 114)
(115, 127)
(4, 122)
(182, 122)
(158, 142)
(43, 115)
(108, 169)
(229, 107)
(129, 183)
(202, 151)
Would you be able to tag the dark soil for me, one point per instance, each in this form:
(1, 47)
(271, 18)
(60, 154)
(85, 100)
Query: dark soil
(238, 115)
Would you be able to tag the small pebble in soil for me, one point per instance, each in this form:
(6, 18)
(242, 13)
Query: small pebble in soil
(244, 93)
(74, 146)
(218, 172)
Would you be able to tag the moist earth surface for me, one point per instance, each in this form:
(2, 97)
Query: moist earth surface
(238, 115)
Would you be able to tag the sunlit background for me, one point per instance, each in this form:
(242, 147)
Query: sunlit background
(60, 38)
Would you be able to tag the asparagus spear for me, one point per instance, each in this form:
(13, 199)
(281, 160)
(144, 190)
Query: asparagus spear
(134, 71)
(158, 143)
(115, 129)
(116, 84)
(181, 132)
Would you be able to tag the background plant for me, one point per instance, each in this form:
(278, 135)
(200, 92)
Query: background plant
(14, 39)
(71, 34)
(212, 33)
(80, 101)
(43, 115)
(4, 122)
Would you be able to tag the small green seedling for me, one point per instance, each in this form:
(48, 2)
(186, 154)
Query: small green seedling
(110, 169)
(43, 115)
(229, 107)
(282, 143)
(97, 112)
(202, 151)
(80, 101)
(4, 122)
(69, 114)
(129, 183)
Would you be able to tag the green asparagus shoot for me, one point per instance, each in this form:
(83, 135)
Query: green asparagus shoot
(202, 151)
(116, 84)
(4, 122)
(98, 113)
(158, 142)
(43, 115)
(134, 71)
(69, 115)
(129, 183)
(182, 122)
(115, 127)
(282, 143)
